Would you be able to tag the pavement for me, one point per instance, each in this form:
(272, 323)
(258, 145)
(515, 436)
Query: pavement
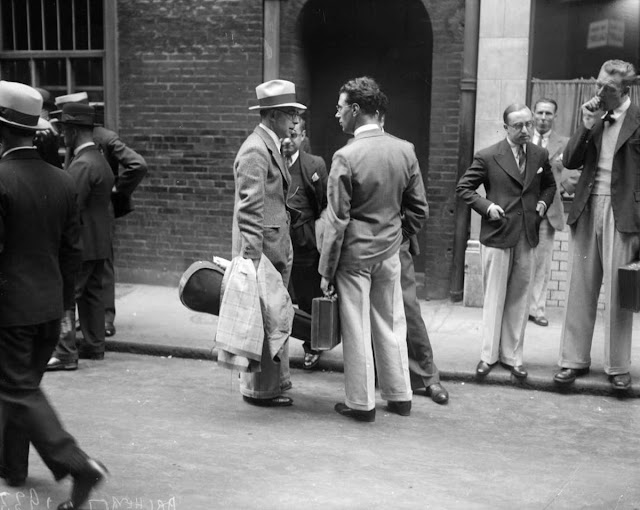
(151, 320)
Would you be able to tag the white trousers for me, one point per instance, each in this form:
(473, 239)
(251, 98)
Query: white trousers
(372, 320)
(506, 274)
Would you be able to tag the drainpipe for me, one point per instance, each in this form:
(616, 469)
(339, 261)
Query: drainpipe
(468, 86)
(271, 51)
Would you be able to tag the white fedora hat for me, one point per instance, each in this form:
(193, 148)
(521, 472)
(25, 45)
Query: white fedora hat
(20, 106)
(76, 97)
(276, 94)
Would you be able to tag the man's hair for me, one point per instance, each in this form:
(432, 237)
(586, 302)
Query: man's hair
(548, 101)
(366, 93)
(515, 107)
(623, 69)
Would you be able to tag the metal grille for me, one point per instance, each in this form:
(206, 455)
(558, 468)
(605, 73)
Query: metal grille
(58, 45)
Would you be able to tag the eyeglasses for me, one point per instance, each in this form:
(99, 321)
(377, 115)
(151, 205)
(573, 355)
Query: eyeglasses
(520, 125)
(339, 107)
(292, 115)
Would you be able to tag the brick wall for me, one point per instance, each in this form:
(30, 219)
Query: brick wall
(447, 22)
(188, 71)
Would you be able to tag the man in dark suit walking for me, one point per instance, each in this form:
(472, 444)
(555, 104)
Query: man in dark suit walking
(261, 219)
(94, 181)
(39, 255)
(520, 187)
(308, 196)
(605, 226)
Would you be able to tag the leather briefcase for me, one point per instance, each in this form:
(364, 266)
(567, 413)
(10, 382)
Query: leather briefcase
(325, 323)
(629, 286)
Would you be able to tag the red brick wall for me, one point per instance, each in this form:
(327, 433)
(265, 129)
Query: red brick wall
(188, 71)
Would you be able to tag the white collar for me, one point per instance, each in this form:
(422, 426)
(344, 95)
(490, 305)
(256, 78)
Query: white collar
(9, 151)
(620, 110)
(80, 147)
(514, 146)
(272, 135)
(366, 127)
(294, 157)
(545, 136)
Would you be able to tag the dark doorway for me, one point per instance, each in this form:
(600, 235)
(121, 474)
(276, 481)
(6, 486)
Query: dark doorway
(389, 41)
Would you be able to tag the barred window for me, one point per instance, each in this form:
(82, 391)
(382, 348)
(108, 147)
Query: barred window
(63, 46)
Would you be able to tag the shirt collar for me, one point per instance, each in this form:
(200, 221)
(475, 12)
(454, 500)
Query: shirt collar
(9, 151)
(366, 127)
(545, 136)
(621, 109)
(294, 157)
(80, 147)
(272, 135)
(514, 146)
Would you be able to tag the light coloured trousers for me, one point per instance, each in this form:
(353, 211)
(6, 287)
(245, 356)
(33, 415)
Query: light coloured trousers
(372, 320)
(506, 274)
(543, 254)
(596, 251)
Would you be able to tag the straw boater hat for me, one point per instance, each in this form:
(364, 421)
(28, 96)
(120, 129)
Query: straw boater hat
(20, 106)
(276, 94)
(77, 97)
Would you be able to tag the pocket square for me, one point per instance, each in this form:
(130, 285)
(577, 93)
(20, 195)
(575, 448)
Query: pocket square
(539, 170)
(315, 177)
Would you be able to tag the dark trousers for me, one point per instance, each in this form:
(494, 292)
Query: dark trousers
(89, 300)
(25, 413)
(109, 289)
(305, 280)
(422, 369)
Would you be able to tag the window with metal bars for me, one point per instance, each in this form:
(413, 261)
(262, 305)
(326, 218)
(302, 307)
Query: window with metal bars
(60, 45)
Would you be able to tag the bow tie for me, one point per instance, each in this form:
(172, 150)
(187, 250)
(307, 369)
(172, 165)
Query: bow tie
(608, 117)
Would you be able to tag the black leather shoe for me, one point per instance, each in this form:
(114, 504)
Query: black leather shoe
(620, 382)
(56, 364)
(483, 369)
(109, 329)
(568, 375)
(401, 407)
(356, 414)
(279, 401)
(438, 394)
(540, 321)
(517, 370)
(84, 483)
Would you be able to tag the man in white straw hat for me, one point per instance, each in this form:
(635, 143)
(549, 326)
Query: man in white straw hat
(39, 256)
(261, 220)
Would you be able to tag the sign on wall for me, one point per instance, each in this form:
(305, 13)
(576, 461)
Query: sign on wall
(606, 32)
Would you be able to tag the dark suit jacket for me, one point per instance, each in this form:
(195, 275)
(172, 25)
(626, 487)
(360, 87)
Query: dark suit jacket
(496, 169)
(313, 172)
(39, 240)
(260, 218)
(94, 180)
(556, 145)
(583, 149)
(129, 168)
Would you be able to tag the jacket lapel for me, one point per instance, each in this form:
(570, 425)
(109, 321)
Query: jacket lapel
(531, 167)
(275, 154)
(507, 161)
(630, 124)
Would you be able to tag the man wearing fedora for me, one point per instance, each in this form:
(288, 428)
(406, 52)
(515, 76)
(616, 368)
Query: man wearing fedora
(39, 256)
(94, 180)
(129, 168)
(261, 219)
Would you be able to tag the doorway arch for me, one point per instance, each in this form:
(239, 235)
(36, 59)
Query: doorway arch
(389, 41)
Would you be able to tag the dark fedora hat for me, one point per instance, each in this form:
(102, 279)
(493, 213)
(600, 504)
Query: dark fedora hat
(78, 114)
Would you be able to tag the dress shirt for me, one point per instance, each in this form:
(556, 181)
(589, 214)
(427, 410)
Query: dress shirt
(80, 147)
(366, 127)
(545, 138)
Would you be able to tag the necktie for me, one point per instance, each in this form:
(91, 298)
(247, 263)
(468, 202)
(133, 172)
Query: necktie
(608, 117)
(540, 139)
(522, 158)
(287, 162)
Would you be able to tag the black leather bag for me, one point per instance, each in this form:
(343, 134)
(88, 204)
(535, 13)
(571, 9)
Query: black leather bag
(325, 323)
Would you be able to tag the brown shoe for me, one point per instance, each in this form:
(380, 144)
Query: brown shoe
(620, 382)
(438, 394)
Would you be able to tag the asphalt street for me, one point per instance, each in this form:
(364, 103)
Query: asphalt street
(175, 434)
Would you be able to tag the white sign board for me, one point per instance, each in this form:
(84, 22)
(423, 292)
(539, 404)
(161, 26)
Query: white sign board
(606, 32)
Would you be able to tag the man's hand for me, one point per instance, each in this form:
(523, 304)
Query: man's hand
(495, 212)
(327, 287)
(541, 209)
(588, 110)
